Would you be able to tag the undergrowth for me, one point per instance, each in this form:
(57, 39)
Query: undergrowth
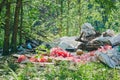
(62, 71)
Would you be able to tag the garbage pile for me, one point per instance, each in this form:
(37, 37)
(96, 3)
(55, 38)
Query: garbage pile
(66, 43)
(110, 57)
(57, 54)
(106, 46)
(89, 46)
(30, 45)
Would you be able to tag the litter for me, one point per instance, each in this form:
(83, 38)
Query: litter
(104, 47)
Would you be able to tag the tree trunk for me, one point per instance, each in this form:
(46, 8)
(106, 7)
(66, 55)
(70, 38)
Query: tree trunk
(67, 30)
(7, 29)
(79, 3)
(104, 18)
(61, 10)
(21, 24)
(15, 26)
(57, 11)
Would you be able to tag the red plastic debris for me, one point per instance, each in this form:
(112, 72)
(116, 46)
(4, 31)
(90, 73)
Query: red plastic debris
(33, 59)
(21, 58)
(92, 53)
(104, 48)
(42, 59)
(59, 52)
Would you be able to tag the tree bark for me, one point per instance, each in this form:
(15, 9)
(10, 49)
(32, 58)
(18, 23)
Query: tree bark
(61, 14)
(15, 27)
(57, 11)
(67, 30)
(7, 29)
(79, 13)
(21, 24)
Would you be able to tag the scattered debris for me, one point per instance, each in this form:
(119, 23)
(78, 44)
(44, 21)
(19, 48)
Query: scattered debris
(66, 43)
(87, 33)
(79, 52)
(109, 56)
(90, 46)
(56, 55)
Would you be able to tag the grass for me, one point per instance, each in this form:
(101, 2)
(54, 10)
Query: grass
(62, 71)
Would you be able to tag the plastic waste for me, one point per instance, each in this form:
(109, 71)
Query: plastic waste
(20, 48)
(29, 46)
(110, 57)
(115, 40)
(88, 29)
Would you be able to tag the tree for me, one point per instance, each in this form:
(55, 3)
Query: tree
(7, 29)
(21, 24)
(106, 7)
(55, 18)
(15, 26)
(68, 6)
(79, 13)
(61, 17)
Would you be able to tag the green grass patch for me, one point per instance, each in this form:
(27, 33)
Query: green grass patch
(62, 71)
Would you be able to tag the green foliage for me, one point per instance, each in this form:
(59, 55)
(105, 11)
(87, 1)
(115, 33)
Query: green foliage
(66, 71)
(1, 38)
(51, 20)
(42, 49)
(48, 19)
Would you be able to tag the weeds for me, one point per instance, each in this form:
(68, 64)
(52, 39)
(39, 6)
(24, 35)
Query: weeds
(63, 71)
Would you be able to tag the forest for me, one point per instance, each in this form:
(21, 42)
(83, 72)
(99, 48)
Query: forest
(44, 21)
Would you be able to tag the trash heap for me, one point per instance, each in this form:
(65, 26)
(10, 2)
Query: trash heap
(57, 54)
(106, 45)
(89, 46)
(30, 45)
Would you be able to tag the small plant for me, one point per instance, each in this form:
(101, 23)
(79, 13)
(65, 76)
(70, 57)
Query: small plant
(42, 49)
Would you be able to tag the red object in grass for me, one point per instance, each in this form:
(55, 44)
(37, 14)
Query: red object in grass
(32, 59)
(59, 52)
(42, 59)
(104, 48)
(76, 60)
(92, 53)
(21, 58)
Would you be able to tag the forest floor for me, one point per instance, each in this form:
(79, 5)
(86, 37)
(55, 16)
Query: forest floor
(11, 70)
